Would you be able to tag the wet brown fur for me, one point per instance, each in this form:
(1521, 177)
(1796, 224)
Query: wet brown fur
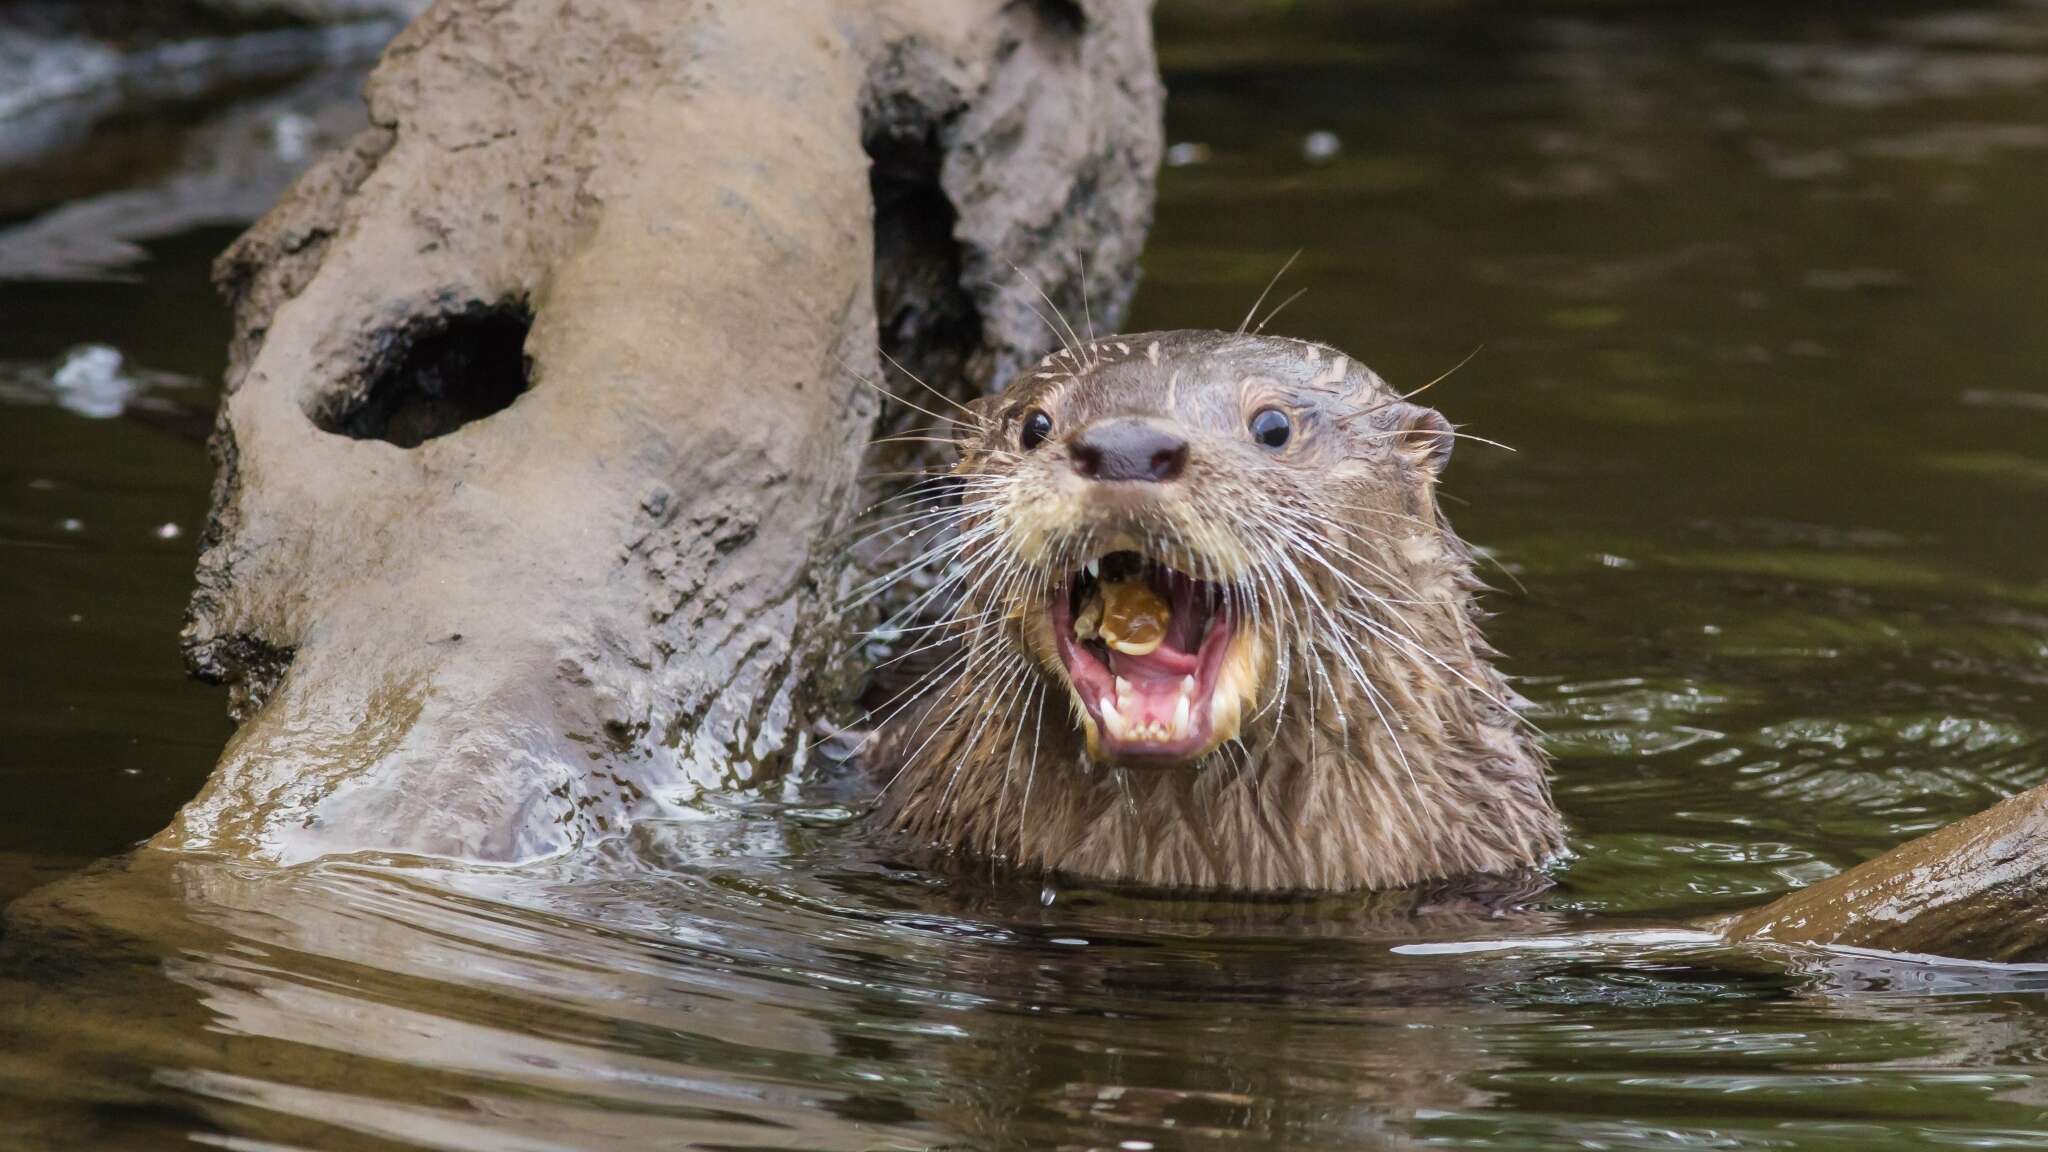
(1357, 579)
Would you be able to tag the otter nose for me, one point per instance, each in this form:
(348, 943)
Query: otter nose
(1128, 449)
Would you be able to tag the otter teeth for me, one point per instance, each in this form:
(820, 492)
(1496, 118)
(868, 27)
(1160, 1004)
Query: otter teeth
(1118, 719)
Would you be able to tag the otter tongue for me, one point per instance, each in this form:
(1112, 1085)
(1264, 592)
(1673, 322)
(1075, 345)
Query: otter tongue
(1162, 663)
(1155, 694)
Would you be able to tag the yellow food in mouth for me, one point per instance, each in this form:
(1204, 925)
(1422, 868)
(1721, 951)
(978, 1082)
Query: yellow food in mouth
(1127, 615)
(1162, 666)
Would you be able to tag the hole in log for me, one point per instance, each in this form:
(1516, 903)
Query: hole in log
(437, 373)
(1065, 15)
(925, 318)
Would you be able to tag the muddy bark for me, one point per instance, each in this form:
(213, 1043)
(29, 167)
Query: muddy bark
(544, 411)
(1977, 889)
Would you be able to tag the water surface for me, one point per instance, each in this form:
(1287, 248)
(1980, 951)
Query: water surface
(1757, 295)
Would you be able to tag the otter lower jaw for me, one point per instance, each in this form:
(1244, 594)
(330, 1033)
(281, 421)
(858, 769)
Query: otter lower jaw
(1175, 701)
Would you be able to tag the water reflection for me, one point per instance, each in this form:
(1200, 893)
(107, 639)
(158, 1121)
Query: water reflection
(828, 999)
(639, 998)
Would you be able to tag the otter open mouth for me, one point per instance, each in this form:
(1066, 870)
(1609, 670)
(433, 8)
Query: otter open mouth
(1144, 647)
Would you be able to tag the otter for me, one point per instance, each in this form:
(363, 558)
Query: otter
(1210, 629)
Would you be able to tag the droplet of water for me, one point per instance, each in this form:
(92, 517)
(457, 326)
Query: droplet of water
(291, 134)
(1321, 145)
(169, 532)
(1185, 153)
(91, 383)
(1047, 895)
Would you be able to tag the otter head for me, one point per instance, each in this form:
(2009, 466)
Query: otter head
(1212, 631)
(1180, 524)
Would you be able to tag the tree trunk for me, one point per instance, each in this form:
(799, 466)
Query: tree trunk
(544, 408)
(1977, 889)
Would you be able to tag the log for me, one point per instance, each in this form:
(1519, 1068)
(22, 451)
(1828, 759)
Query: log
(1976, 890)
(544, 410)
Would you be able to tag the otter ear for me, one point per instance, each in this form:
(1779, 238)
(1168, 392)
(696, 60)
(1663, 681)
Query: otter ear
(1421, 435)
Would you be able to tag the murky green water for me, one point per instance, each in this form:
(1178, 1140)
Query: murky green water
(1760, 296)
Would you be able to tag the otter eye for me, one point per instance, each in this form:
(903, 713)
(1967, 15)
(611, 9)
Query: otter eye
(1037, 427)
(1271, 427)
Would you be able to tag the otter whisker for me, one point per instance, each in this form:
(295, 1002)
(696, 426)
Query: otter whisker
(976, 417)
(888, 709)
(987, 621)
(1031, 774)
(1123, 786)
(1013, 678)
(1308, 592)
(1036, 694)
(1467, 681)
(1309, 545)
(947, 548)
(1451, 432)
(910, 500)
(1072, 340)
(912, 438)
(1311, 548)
(1263, 292)
(1445, 375)
(983, 656)
(934, 489)
(931, 489)
(1086, 315)
(902, 519)
(1380, 708)
(960, 623)
(1408, 642)
(851, 371)
(1360, 678)
(1267, 578)
(1298, 294)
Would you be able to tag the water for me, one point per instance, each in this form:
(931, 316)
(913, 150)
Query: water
(1757, 295)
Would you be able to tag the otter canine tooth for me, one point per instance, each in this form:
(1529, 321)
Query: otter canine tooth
(1095, 567)
(1187, 685)
(1180, 716)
